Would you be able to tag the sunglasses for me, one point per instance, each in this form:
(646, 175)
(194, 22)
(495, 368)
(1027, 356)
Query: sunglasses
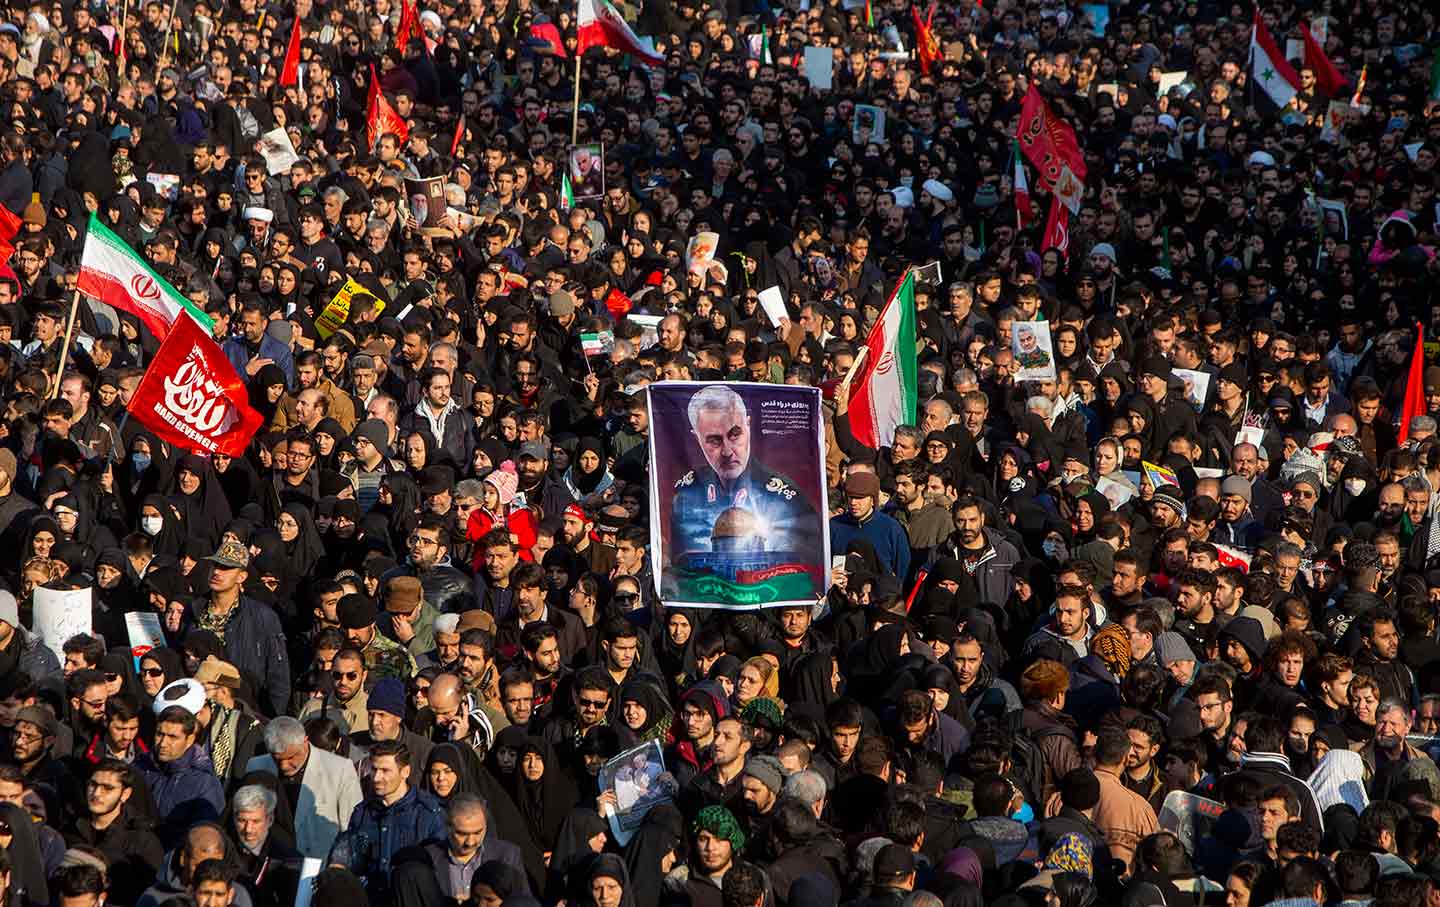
(345, 675)
(153, 672)
(593, 704)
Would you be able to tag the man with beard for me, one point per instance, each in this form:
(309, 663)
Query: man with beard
(255, 348)
(987, 556)
(536, 484)
(576, 528)
(86, 689)
(1392, 764)
(720, 783)
(347, 703)
(984, 693)
(131, 850)
(269, 866)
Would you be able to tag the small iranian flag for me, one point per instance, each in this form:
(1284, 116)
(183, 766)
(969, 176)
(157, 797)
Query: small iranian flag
(598, 343)
(601, 25)
(883, 391)
(111, 272)
(567, 191)
(1022, 185)
(1269, 70)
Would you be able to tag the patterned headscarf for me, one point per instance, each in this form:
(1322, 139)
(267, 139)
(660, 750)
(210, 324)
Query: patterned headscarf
(1112, 644)
(1071, 853)
(721, 823)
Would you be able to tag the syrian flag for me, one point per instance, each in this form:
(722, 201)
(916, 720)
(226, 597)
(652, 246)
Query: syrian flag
(883, 392)
(1269, 70)
(192, 397)
(1022, 186)
(111, 272)
(290, 69)
(380, 117)
(601, 25)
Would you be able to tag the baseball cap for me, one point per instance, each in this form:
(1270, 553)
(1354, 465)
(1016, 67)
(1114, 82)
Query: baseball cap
(535, 450)
(231, 554)
(894, 861)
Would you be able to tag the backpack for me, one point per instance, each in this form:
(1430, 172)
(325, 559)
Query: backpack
(1027, 760)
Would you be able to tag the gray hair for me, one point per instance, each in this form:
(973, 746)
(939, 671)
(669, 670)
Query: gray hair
(922, 899)
(913, 432)
(283, 733)
(470, 488)
(447, 623)
(1423, 423)
(337, 192)
(1391, 704)
(1040, 404)
(964, 377)
(715, 398)
(254, 796)
(722, 154)
(807, 786)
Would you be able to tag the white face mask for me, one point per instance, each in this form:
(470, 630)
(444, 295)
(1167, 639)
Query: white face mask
(152, 525)
(1356, 487)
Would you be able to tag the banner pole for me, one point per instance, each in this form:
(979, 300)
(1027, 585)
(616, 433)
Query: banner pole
(65, 344)
(575, 106)
(169, 27)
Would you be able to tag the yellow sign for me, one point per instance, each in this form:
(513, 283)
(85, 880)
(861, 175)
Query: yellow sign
(333, 317)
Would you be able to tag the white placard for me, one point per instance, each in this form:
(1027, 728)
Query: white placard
(145, 632)
(1034, 356)
(309, 871)
(773, 302)
(277, 150)
(820, 67)
(1197, 386)
(60, 615)
(1294, 49)
(1169, 80)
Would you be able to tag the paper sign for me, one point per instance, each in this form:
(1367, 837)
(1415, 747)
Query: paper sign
(427, 204)
(60, 615)
(1336, 116)
(332, 318)
(700, 251)
(649, 328)
(1337, 221)
(820, 67)
(930, 273)
(1159, 476)
(773, 302)
(639, 781)
(1115, 491)
(1189, 817)
(1030, 344)
(1294, 49)
(167, 185)
(1169, 80)
(1099, 16)
(1250, 434)
(1197, 386)
(868, 125)
(277, 150)
(145, 632)
(309, 871)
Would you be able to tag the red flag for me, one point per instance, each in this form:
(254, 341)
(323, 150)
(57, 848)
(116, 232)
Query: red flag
(547, 32)
(926, 46)
(290, 70)
(1414, 385)
(618, 304)
(459, 134)
(601, 25)
(1057, 228)
(1048, 141)
(192, 397)
(409, 24)
(380, 117)
(1326, 75)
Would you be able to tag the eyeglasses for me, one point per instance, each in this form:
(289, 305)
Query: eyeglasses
(153, 672)
(93, 704)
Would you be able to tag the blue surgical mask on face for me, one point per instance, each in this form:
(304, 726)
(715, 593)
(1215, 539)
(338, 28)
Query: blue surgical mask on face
(141, 461)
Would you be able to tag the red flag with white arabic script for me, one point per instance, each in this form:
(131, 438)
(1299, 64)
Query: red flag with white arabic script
(192, 397)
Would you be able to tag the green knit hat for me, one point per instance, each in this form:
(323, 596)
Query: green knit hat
(763, 712)
(721, 823)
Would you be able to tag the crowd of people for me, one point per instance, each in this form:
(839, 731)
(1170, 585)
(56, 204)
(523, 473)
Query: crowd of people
(395, 643)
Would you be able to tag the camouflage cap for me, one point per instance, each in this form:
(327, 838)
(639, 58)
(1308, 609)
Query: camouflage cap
(231, 554)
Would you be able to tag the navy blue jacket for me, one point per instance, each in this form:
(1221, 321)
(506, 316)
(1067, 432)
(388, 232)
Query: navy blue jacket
(377, 832)
(185, 791)
(255, 644)
(891, 543)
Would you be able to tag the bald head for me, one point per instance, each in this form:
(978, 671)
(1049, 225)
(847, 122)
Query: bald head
(444, 693)
(204, 842)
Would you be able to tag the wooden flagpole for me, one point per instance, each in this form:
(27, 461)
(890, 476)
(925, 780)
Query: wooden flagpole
(575, 107)
(65, 344)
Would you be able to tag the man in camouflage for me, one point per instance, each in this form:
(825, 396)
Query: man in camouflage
(384, 657)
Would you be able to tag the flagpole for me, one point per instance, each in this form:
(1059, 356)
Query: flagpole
(120, 57)
(575, 107)
(169, 27)
(65, 344)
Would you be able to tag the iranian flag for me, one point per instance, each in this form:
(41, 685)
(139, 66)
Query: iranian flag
(111, 272)
(567, 191)
(601, 25)
(1269, 70)
(1022, 186)
(882, 393)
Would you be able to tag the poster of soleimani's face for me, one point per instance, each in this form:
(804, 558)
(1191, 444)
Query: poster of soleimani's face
(1026, 338)
(721, 426)
(587, 170)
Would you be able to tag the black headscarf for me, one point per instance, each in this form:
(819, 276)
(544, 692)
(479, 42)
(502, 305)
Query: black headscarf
(27, 865)
(545, 803)
(449, 754)
(661, 832)
(307, 548)
(612, 866)
(207, 511)
(586, 482)
(808, 686)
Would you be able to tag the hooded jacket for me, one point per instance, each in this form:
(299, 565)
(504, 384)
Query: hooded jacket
(185, 791)
(131, 849)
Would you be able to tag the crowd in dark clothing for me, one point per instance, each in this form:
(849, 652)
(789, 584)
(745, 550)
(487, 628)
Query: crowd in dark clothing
(1158, 630)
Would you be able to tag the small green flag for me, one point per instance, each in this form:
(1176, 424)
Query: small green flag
(567, 191)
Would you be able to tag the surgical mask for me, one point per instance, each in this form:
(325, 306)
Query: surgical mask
(152, 525)
(1356, 487)
(1054, 549)
(141, 461)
